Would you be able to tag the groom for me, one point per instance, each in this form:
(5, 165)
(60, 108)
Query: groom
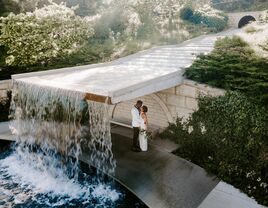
(135, 113)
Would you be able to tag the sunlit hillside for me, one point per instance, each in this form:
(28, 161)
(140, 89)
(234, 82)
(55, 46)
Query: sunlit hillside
(129, 26)
(256, 35)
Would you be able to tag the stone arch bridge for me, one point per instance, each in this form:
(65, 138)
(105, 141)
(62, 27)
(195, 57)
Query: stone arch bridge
(235, 18)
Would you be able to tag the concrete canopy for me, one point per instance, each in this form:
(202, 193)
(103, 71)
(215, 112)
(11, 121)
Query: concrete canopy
(143, 73)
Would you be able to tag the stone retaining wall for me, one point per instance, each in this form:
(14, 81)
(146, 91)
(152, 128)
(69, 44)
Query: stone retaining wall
(5, 86)
(182, 100)
(165, 106)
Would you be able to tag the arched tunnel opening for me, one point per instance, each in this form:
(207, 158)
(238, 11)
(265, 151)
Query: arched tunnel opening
(246, 20)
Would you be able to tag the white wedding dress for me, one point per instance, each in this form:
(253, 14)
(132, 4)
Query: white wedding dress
(142, 136)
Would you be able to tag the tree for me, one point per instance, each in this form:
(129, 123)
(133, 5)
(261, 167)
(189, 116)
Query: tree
(38, 37)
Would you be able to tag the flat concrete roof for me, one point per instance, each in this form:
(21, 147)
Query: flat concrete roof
(140, 74)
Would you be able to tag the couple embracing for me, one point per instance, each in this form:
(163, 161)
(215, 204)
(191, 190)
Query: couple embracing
(139, 124)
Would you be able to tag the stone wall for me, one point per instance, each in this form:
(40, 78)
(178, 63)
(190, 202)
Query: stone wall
(122, 111)
(165, 106)
(5, 86)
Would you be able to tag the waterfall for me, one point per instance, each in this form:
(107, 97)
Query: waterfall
(60, 121)
(52, 127)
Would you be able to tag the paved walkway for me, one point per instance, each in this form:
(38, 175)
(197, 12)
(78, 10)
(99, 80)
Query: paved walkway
(160, 144)
(160, 179)
(226, 196)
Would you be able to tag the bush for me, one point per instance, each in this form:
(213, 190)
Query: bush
(227, 136)
(197, 18)
(113, 21)
(186, 13)
(233, 65)
(4, 107)
(215, 22)
(218, 21)
(37, 37)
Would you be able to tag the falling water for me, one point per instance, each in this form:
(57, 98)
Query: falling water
(50, 126)
(60, 120)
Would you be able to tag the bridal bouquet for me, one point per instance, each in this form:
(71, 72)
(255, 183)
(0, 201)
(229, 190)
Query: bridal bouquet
(148, 135)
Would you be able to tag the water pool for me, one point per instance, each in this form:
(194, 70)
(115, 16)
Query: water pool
(32, 178)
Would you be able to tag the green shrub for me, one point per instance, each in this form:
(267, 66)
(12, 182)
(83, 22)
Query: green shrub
(233, 65)
(38, 37)
(218, 22)
(227, 136)
(113, 21)
(186, 13)
(196, 18)
(215, 22)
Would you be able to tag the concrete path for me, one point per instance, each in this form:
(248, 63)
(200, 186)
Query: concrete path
(222, 196)
(226, 196)
(160, 179)
(161, 144)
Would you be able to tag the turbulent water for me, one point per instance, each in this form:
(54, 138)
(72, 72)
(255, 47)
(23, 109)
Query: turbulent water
(31, 178)
(42, 169)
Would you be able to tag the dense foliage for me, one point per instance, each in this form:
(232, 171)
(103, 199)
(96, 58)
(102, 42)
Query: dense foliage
(233, 65)
(4, 107)
(38, 37)
(227, 136)
(206, 16)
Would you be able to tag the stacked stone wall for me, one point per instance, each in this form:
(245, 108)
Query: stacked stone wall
(165, 106)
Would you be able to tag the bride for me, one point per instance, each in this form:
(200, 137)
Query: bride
(143, 128)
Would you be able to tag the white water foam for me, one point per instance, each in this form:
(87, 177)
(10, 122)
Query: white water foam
(32, 177)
